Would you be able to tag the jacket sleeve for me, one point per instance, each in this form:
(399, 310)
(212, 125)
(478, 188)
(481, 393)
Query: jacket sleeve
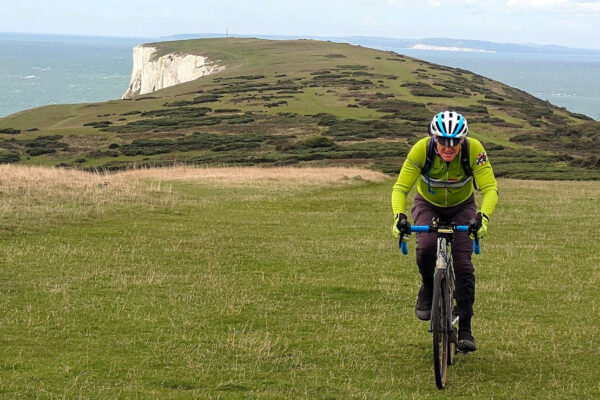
(410, 172)
(484, 177)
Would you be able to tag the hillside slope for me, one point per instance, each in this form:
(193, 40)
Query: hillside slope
(304, 102)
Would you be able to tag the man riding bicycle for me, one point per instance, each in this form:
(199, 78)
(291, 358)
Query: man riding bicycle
(449, 165)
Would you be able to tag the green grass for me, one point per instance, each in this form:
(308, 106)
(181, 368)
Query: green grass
(199, 290)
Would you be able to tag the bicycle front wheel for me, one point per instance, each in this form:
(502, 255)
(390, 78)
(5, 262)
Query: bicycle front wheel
(439, 325)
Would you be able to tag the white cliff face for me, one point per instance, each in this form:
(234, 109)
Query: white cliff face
(150, 73)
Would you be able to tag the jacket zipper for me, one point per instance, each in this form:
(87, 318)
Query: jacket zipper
(447, 177)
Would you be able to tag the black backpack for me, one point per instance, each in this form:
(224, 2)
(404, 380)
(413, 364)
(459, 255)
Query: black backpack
(464, 160)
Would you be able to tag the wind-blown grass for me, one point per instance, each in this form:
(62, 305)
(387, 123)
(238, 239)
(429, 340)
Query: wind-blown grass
(188, 287)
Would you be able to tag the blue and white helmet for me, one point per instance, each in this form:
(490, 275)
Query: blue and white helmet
(449, 128)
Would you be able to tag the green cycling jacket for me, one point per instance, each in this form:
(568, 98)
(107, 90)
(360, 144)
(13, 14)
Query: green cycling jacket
(448, 182)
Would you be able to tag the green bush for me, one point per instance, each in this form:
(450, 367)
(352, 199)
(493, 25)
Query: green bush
(317, 141)
(98, 124)
(196, 141)
(326, 119)
(38, 151)
(10, 131)
(9, 158)
(351, 129)
(276, 104)
(44, 145)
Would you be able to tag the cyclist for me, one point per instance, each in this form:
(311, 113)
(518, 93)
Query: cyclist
(445, 190)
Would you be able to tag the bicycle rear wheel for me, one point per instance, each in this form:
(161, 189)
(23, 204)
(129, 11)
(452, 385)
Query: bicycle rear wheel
(439, 325)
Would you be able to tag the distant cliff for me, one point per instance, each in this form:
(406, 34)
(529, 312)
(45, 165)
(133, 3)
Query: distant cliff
(151, 73)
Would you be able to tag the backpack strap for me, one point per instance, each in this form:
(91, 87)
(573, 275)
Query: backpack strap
(466, 162)
(428, 163)
(429, 157)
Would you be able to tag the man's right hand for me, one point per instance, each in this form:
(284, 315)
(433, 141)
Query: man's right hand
(400, 223)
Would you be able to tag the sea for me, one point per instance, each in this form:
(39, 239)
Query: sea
(37, 70)
(565, 80)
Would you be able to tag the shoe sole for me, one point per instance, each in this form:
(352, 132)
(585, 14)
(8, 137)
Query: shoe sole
(423, 315)
(466, 346)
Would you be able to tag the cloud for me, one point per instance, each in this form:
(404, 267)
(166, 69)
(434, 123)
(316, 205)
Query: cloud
(567, 6)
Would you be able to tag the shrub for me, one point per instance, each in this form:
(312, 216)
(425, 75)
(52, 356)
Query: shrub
(98, 124)
(196, 141)
(10, 131)
(9, 158)
(102, 154)
(317, 141)
(353, 66)
(523, 138)
(245, 77)
(326, 119)
(44, 145)
(227, 110)
(37, 151)
(276, 104)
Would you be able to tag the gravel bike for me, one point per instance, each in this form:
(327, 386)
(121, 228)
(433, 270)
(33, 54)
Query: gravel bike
(443, 317)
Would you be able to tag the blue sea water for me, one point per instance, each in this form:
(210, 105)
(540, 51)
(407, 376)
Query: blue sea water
(37, 70)
(565, 80)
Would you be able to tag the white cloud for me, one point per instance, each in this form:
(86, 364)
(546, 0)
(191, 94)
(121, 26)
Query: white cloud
(568, 6)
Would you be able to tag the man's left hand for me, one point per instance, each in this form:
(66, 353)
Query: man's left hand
(483, 223)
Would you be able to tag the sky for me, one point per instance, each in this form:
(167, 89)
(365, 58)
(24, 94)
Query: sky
(573, 23)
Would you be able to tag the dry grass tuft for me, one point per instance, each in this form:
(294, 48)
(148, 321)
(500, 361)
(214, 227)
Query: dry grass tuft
(68, 184)
(45, 193)
(235, 176)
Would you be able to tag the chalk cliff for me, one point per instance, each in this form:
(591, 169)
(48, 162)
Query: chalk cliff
(151, 73)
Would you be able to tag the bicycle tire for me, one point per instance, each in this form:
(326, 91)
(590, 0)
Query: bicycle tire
(452, 335)
(439, 321)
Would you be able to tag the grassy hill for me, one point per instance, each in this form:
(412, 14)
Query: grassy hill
(307, 103)
(278, 283)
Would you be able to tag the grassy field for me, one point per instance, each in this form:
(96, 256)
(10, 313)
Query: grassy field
(278, 283)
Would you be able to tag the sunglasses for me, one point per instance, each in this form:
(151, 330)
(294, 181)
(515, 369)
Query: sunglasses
(448, 142)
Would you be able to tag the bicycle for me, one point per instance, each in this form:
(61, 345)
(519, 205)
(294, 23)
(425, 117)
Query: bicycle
(443, 318)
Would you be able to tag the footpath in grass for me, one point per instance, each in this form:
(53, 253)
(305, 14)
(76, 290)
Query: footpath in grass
(278, 287)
